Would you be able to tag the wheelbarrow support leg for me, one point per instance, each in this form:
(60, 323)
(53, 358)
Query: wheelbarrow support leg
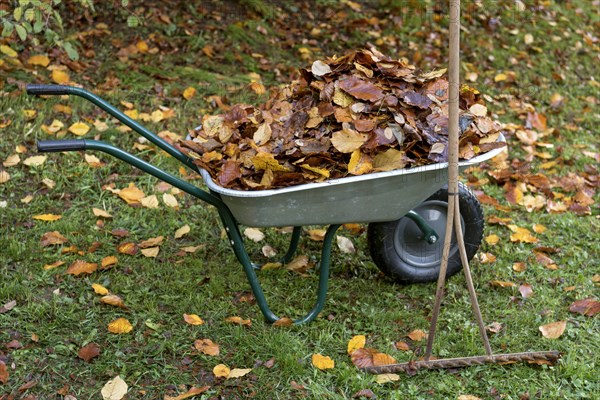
(237, 243)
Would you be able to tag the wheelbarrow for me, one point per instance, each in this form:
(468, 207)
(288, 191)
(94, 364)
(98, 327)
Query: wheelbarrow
(405, 209)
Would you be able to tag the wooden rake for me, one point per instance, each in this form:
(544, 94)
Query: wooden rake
(453, 223)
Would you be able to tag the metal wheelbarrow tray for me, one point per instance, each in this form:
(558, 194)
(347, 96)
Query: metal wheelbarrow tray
(405, 209)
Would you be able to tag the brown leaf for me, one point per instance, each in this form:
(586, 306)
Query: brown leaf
(52, 238)
(588, 307)
(151, 242)
(193, 391)
(239, 321)
(503, 284)
(8, 306)
(526, 290)
(207, 346)
(82, 267)
(367, 357)
(553, 330)
(193, 319)
(3, 373)
(108, 262)
(299, 264)
(417, 335)
(361, 89)
(89, 351)
(128, 248)
(113, 300)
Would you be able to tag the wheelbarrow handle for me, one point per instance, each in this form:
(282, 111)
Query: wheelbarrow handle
(53, 90)
(53, 146)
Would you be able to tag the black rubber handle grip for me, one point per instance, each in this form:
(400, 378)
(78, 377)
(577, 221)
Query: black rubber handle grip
(52, 146)
(48, 89)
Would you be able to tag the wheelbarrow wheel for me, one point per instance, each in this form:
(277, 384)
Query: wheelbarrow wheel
(399, 249)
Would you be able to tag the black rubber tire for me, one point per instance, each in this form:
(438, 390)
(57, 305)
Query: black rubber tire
(398, 249)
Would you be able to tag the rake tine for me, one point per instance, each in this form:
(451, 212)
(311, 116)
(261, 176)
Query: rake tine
(540, 357)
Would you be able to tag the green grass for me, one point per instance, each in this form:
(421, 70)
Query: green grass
(158, 358)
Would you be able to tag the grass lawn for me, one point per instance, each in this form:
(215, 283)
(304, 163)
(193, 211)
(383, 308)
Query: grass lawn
(537, 62)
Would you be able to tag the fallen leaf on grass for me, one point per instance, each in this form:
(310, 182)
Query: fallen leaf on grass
(35, 161)
(587, 307)
(4, 177)
(322, 362)
(131, 194)
(385, 378)
(256, 235)
(101, 213)
(60, 77)
(120, 326)
(52, 238)
(503, 284)
(357, 342)
(151, 252)
(99, 289)
(402, 346)
(55, 264)
(468, 397)
(108, 262)
(207, 346)
(184, 230)
(47, 217)
(8, 306)
(189, 92)
(81, 267)
(114, 389)
(317, 235)
(519, 267)
(221, 371)
(345, 245)
(239, 321)
(3, 373)
(526, 290)
(283, 322)
(368, 357)
(113, 300)
(238, 372)
(521, 235)
(149, 201)
(11, 160)
(79, 128)
(128, 248)
(417, 335)
(39, 59)
(193, 319)
(492, 239)
(89, 351)
(194, 391)
(299, 264)
(553, 330)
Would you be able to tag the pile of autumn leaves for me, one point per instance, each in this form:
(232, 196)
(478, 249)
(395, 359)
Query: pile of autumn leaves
(353, 115)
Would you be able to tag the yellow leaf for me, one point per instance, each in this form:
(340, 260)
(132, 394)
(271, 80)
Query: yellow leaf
(316, 170)
(189, 92)
(157, 116)
(519, 267)
(81, 267)
(127, 248)
(193, 319)
(194, 391)
(93, 161)
(342, 99)
(238, 372)
(61, 108)
(150, 251)
(503, 284)
(29, 114)
(101, 213)
(8, 51)
(113, 300)
(99, 289)
(119, 326)
(35, 161)
(283, 322)
(521, 235)
(492, 239)
(150, 201)
(389, 160)
(347, 141)
(60, 77)
(500, 77)
(468, 397)
(221, 371)
(55, 264)
(357, 342)
(4, 177)
(385, 378)
(27, 199)
(184, 230)
(12, 160)
(262, 134)
(133, 114)
(155, 241)
(131, 194)
(382, 359)
(47, 217)
(142, 46)
(108, 262)
(265, 161)
(79, 128)
(322, 362)
(239, 321)
(539, 228)
(39, 59)
(207, 346)
(553, 330)
(417, 335)
(192, 249)
(360, 163)
(54, 127)
(170, 200)
(114, 389)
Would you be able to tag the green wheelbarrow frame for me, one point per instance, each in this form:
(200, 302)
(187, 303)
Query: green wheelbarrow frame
(211, 197)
